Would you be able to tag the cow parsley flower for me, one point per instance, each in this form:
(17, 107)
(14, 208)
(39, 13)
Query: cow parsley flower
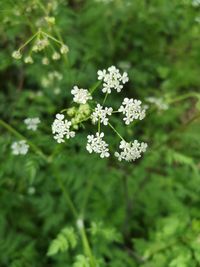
(20, 147)
(81, 96)
(130, 151)
(101, 113)
(159, 102)
(32, 123)
(98, 145)
(132, 110)
(112, 79)
(61, 128)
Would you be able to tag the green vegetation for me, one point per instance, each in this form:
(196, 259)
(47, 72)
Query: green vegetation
(61, 206)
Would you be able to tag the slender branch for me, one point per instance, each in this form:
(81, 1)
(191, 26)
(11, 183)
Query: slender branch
(105, 98)
(94, 87)
(52, 38)
(116, 131)
(29, 40)
(67, 197)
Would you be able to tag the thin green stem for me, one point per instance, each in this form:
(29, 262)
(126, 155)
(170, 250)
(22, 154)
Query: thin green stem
(87, 194)
(19, 135)
(29, 40)
(52, 38)
(84, 120)
(94, 87)
(105, 98)
(67, 197)
(116, 131)
(86, 245)
(42, 7)
(115, 111)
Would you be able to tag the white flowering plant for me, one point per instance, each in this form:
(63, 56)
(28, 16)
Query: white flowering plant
(131, 109)
(99, 158)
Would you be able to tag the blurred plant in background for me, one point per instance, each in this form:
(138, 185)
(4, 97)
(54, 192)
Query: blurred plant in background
(61, 206)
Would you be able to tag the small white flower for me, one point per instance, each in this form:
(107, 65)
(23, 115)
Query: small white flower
(81, 96)
(101, 114)
(61, 128)
(101, 74)
(130, 151)
(98, 145)
(32, 123)
(112, 79)
(158, 102)
(28, 60)
(16, 55)
(64, 49)
(20, 147)
(56, 56)
(132, 110)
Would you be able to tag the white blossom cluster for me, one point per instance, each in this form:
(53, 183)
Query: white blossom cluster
(112, 79)
(61, 128)
(100, 114)
(158, 102)
(98, 145)
(20, 147)
(41, 41)
(81, 96)
(32, 123)
(130, 151)
(132, 109)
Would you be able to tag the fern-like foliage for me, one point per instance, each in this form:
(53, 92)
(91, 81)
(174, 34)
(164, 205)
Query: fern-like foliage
(65, 239)
(107, 233)
(81, 261)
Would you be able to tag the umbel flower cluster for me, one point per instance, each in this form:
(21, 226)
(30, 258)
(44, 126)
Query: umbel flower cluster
(41, 41)
(99, 114)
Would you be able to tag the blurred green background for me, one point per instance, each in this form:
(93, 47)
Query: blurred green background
(145, 213)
